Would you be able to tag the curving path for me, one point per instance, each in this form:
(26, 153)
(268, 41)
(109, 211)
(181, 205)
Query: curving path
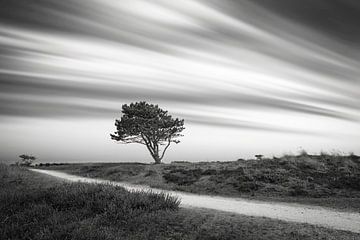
(283, 211)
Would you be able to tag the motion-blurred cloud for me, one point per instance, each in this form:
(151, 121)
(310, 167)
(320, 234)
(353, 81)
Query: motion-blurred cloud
(263, 66)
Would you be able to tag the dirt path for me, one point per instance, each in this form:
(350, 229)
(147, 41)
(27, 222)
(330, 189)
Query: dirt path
(283, 211)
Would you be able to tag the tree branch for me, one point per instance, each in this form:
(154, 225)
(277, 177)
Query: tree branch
(148, 145)
(163, 153)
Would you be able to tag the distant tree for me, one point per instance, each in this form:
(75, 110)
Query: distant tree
(303, 153)
(149, 125)
(26, 160)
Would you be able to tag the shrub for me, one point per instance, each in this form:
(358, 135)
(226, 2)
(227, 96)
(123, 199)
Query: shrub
(182, 176)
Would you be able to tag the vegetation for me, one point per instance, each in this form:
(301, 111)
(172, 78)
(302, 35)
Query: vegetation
(327, 179)
(33, 206)
(26, 160)
(149, 125)
(51, 164)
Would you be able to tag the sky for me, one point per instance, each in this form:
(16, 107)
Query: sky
(249, 76)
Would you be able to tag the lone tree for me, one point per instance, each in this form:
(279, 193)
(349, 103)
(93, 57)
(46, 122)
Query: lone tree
(26, 160)
(149, 125)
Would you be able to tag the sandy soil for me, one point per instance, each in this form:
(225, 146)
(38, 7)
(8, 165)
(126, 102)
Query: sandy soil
(284, 211)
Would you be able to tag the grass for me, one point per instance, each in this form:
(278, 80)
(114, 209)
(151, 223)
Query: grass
(330, 180)
(36, 207)
(68, 210)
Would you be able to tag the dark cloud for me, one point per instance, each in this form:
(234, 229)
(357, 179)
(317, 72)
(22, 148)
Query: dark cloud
(41, 14)
(336, 18)
(46, 109)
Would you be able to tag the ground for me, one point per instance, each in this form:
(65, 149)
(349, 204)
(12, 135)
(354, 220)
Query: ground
(323, 180)
(33, 206)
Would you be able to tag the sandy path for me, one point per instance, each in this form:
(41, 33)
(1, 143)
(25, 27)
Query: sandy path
(283, 211)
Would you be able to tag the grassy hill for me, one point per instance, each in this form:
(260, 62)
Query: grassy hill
(326, 180)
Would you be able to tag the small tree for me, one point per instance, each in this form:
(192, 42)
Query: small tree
(26, 160)
(149, 125)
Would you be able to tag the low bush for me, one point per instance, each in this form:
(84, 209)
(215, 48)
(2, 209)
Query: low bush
(182, 176)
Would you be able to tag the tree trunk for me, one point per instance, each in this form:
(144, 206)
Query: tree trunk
(157, 158)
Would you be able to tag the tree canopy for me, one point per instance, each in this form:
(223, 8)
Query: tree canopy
(26, 160)
(149, 125)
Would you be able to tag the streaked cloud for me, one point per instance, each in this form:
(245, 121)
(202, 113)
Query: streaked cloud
(238, 64)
